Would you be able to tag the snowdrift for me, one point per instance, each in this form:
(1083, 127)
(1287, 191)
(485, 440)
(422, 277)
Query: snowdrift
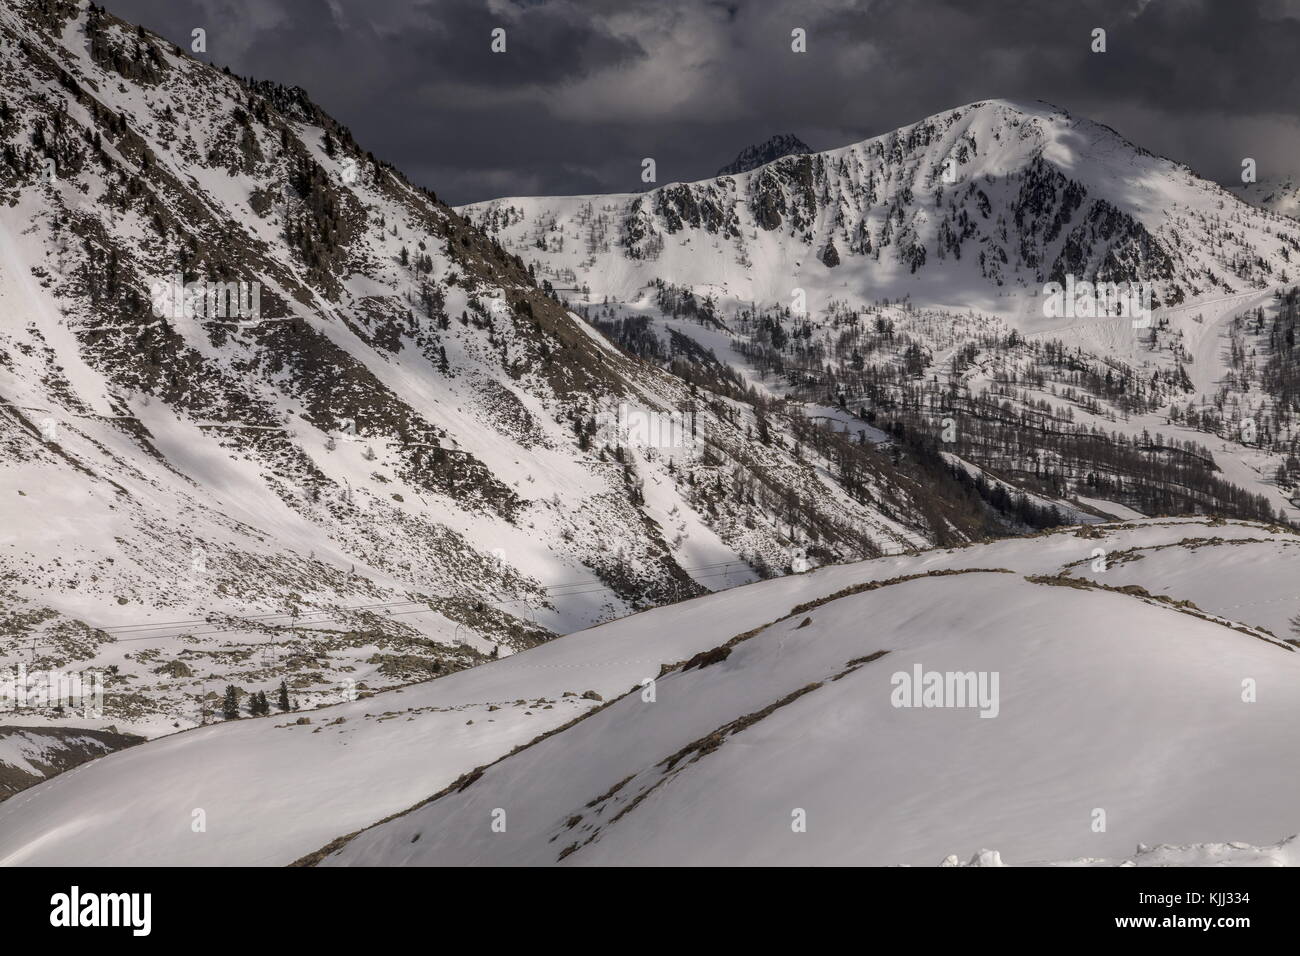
(1107, 700)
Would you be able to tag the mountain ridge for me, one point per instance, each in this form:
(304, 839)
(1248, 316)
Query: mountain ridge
(408, 461)
(1007, 268)
(1117, 222)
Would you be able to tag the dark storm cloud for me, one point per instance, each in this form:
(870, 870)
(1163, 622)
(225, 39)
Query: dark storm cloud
(586, 90)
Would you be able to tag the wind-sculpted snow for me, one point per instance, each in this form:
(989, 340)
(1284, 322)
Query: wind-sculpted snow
(356, 763)
(1113, 718)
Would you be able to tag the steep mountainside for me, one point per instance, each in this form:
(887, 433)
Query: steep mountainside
(270, 412)
(936, 284)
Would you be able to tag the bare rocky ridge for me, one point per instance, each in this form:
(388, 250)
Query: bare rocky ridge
(751, 157)
(29, 755)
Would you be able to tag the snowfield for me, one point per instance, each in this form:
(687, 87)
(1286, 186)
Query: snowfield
(1108, 700)
(1134, 711)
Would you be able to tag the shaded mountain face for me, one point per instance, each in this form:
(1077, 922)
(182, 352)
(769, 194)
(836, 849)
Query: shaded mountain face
(272, 413)
(1281, 195)
(751, 157)
(29, 755)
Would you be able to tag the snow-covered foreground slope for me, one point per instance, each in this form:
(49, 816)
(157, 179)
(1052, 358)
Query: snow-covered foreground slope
(1104, 704)
(272, 790)
(1283, 853)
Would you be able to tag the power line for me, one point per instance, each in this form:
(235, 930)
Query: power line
(265, 618)
(547, 587)
(337, 615)
(252, 618)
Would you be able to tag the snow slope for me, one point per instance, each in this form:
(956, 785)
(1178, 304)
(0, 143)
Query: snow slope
(273, 790)
(1108, 703)
(1283, 853)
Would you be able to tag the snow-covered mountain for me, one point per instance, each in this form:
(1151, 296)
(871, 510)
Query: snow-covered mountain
(1124, 655)
(977, 207)
(1281, 196)
(947, 272)
(655, 528)
(1094, 710)
(751, 157)
(270, 412)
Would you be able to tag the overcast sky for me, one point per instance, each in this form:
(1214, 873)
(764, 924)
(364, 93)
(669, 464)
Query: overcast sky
(584, 91)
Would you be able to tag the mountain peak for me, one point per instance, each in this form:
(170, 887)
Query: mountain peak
(751, 157)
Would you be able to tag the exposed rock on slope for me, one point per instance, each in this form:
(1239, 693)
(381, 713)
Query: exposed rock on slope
(751, 157)
(379, 454)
